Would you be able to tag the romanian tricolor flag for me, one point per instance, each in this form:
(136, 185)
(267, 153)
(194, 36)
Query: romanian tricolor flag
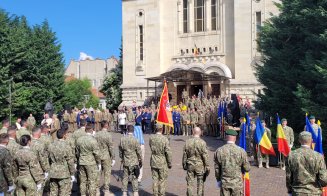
(318, 146)
(310, 129)
(246, 175)
(164, 113)
(281, 139)
(262, 139)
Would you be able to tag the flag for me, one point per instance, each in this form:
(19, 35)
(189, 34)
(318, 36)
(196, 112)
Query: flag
(248, 123)
(242, 144)
(262, 139)
(196, 50)
(164, 114)
(281, 139)
(318, 146)
(309, 128)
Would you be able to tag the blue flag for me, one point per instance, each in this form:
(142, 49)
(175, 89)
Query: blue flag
(248, 123)
(318, 145)
(225, 110)
(243, 136)
(309, 128)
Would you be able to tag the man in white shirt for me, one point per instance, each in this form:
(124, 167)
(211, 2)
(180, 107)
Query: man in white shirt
(122, 121)
(47, 120)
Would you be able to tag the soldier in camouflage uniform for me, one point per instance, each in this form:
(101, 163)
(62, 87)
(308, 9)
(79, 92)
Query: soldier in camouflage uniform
(62, 165)
(289, 134)
(306, 170)
(55, 126)
(45, 138)
(131, 157)
(314, 125)
(89, 161)
(260, 156)
(106, 146)
(31, 122)
(5, 125)
(6, 173)
(208, 123)
(130, 116)
(38, 148)
(98, 117)
(72, 121)
(115, 120)
(12, 146)
(161, 160)
(30, 175)
(79, 132)
(185, 122)
(195, 161)
(22, 131)
(194, 117)
(214, 122)
(201, 121)
(230, 161)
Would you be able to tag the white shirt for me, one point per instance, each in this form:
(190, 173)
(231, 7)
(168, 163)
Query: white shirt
(122, 118)
(18, 126)
(48, 121)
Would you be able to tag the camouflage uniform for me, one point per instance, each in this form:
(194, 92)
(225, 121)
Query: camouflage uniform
(201, 120)
(194, 117)
(98, 118)
(22, 131)
(29, 172)
(160, 162)
(115, 121)
(62, 167)
(208, 123)
(31, 122)
(130, 154)
(259, 154)
(250, 140)
(106, 145)
(315, 129)
(6, 173)
(78, 133)
(289, 134)
(185, 123)
(130, 117)
(3, 130)
(195, 161)
(88, 153)
(230, 160)
(13, 148)
(72, 122)
(214, 122)
(55, 126)
(305, 172)
(46, 140)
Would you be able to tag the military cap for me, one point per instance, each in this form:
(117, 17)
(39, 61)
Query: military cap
(159, 126)
(231, 132)
(305, 135)
(312, 117)
(284, 119)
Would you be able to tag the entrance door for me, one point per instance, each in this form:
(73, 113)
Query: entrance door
(180, 89)
(215, 90)
(195, 89)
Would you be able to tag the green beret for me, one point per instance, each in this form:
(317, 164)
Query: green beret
(231, 132)
(312, 117)
(159, 126)
(284, 119)
(305, 135)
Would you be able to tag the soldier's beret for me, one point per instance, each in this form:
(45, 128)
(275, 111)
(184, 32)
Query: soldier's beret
(305, 135)
(312, 117)
(159, 126)
(231, 132)
(284, 119)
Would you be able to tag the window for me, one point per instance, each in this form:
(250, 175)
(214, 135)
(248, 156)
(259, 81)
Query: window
(258, 23)
(214, 15)
(185, 16)
(199, 15)
(141, 42)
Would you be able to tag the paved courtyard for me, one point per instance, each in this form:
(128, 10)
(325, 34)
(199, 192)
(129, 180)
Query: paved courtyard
(263, 181)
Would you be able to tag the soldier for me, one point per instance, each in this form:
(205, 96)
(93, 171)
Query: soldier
(62, 165)
(184, 95)
(115, 120)
(79, 132)
(66, 117)
(12, 146)
(177, 121)
(306, 170)
(98, 117)
(194, 117)
(38, 148)
(250, 138)
(72, 121)
(106, 146)
(230, 161)
(201, 121)
(259, 153)
(30, 176)
(6, 173)
(314, 125)
(54, 127)
(195, 161)
(130, 117)
(5, 125)
(130, 155)
(160, 162)
(214, 122)
(23, 130)
(89, 161)
(45, 138)
(192, 103)
(153, 106)
(289, 134)
(185, 122)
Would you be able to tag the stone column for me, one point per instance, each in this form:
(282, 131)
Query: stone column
(180, 16)
(208, 15)
(191, 16)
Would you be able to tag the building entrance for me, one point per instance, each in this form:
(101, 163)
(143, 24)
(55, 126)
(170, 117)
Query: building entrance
(194, 90)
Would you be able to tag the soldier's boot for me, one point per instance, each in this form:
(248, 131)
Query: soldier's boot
(135, 193)
(124, 193)
(260, 164)
(267, 164)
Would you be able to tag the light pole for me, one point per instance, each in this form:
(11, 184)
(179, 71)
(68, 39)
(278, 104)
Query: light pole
(10, 104)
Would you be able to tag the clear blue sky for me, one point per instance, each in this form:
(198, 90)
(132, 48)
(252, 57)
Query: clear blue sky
(93, 27)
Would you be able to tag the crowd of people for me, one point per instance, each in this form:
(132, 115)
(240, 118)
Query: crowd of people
(77, 148)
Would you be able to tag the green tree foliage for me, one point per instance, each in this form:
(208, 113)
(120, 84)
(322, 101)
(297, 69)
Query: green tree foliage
(294, 62)
(31, 56)
(111, 85)
(74, 92)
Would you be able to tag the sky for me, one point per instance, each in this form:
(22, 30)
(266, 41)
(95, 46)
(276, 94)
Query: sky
(93, 27)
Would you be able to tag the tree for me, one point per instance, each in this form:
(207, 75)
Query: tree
(74, 92)
(111, 85)
(294, 61)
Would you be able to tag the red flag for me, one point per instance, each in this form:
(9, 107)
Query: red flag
(247, 184)
(281, 140)
(164, 113)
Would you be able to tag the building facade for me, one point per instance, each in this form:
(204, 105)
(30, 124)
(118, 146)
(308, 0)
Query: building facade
(94, 70)
(194, 44)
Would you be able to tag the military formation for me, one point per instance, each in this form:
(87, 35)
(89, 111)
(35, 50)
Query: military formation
(74, 151)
